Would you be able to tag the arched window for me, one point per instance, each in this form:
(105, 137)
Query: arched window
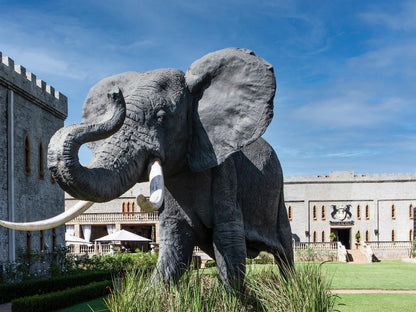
(133, 206)
(314, 236)
(41, 162)
(314, 212)
(289, 213)
(41, 240)
(323, 212)
(123, 207)
(367, 236)
(323, 236)
(393, 212)
(393, 235)
(28, 240)
(358, 212)
(26, 155)
(411, 211)
(52, 179)
(367, 212)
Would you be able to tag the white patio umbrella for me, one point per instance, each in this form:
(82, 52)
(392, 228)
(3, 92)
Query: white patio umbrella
(74, 240)
(123, 236)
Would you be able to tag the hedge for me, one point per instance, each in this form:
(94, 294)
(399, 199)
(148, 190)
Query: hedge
(61, 299)
(10, 291)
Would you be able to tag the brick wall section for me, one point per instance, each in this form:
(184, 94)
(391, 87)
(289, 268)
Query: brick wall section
(39, 111)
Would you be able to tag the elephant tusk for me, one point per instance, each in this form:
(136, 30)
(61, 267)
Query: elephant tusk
(157, 191)
(50, 223)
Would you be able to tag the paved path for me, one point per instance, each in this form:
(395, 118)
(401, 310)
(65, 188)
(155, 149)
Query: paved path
(6, 307)
(370, 291)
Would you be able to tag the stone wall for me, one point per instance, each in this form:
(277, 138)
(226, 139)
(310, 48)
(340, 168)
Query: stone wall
(39, 111)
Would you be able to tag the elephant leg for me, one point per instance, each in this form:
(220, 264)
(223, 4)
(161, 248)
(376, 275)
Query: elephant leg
(176, 243)
(228, 235)
(284, 254)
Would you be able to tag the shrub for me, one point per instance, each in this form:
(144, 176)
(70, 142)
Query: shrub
(210, 264)
(61, 299)
(119, 262)
(11, 291)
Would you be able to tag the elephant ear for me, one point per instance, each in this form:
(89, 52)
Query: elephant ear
(233, 91)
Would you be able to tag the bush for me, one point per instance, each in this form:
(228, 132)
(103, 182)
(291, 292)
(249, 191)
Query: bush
(120, 262)
(11, 291)
(210, 264)
(61, 299)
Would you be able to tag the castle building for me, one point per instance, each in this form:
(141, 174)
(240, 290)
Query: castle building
(379, 207)
(30, 113)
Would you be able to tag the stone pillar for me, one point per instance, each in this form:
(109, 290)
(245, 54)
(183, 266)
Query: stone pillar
(118, 227)
(77, 232)
(157, 232)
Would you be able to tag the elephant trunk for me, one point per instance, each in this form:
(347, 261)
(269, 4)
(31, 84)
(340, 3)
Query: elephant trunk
(99, 184)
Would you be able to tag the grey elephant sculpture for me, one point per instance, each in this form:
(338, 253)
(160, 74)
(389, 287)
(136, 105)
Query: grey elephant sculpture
(199, 135)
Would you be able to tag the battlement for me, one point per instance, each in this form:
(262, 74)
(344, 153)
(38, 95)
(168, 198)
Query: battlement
(37, 91)
(350, 176)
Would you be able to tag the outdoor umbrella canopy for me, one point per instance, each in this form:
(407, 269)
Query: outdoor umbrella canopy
(71, 239)
(124, 236)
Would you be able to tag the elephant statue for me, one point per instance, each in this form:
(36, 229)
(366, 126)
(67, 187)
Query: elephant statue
(216, 183)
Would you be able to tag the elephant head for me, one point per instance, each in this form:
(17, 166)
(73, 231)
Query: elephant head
(182, 121)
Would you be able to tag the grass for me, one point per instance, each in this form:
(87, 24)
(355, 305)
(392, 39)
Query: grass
(304, 290)
(96, 305)
(376, 302)
(394, 274)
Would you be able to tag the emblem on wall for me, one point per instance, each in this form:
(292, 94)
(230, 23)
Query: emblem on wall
(341, 213)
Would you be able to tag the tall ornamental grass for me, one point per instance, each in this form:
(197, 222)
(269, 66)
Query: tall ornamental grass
(267, 290)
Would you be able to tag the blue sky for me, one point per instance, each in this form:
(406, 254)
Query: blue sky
(345, 69)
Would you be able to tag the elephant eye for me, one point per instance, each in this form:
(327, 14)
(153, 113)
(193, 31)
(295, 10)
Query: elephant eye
(161, 115)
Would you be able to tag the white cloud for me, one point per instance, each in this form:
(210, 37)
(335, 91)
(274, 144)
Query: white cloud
(403, 19)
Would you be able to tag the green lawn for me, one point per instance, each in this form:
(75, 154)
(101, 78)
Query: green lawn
(376, 302)
(396, 275)
(96, 305)
(382, 275)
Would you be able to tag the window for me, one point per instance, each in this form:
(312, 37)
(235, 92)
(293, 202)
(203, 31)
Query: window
(323, 213)
(28, 240)
(26, 155)
(393, 212)
(314, 212)
(393, 235)
(41, 241)
(358, 212)
(411, 235)
(52, 179)
(411, 211)
(323, 236)
(123, 207)
(41, 162)
(289, 213)
(53, 243)
(367, 236)
(314, 236)
(367, 212)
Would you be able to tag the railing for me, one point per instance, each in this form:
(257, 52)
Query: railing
(111, 217)
(390, 244)
(86, 249)
(320, 245)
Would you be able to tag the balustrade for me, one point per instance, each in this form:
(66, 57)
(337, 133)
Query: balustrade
(111, 217)
(317, 245)
(390, 244)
